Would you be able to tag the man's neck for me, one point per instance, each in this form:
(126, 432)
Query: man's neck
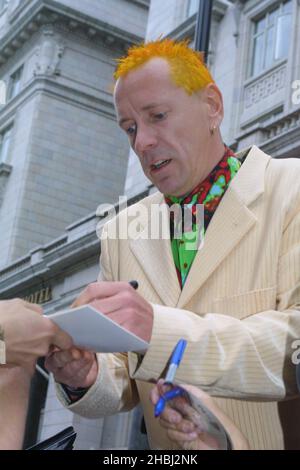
(215, 155)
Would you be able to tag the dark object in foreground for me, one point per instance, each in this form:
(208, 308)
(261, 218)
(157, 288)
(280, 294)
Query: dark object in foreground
(64, 440)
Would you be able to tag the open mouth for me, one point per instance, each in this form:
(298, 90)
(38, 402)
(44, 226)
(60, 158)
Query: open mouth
(160, 164)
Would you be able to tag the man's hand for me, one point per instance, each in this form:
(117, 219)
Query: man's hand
(184, 425)
(75, 367)
(179, 428)
(120, 302)
(28, 334)
(14, 395)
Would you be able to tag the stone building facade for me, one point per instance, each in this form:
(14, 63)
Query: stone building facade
(62, 153)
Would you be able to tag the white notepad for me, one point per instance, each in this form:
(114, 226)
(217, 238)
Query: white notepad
(94, 331)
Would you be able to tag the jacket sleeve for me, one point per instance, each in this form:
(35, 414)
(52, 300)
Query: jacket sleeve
(2, 352)
(249, 358)
(114, 391)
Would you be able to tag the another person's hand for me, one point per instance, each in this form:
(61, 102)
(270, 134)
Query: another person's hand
(74, 367)
(122, 304)
(28, 334)
(184, 427)
(14, 395)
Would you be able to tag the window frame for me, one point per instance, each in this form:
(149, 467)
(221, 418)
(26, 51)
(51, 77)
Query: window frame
(3, 5)
(278, 8)
(5, 135)
(188, 9)
(11, 93)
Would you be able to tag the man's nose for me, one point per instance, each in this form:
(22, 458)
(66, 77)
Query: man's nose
(145, 139)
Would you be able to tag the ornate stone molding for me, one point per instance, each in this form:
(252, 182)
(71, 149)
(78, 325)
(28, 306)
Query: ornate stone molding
(278, 136)
(24, 23)
(283, 125)
(50, 53)
(265, 86)
(5, 171)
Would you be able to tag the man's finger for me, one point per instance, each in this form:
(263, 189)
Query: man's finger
(171, 416)
(58, 360)
(99, 290)
(34, 307)
(61, 339)
(181, 437)
(154, 395)
(111, 304)
(84, 370)
(74, 373)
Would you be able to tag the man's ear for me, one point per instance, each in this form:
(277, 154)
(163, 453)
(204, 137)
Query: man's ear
(214, 101)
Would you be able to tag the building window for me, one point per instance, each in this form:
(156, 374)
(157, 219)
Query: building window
(271, 38)
(5, 138)
(14, 84)
(193, 7)
(2, 93)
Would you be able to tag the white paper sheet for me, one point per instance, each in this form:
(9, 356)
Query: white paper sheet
(94, 331)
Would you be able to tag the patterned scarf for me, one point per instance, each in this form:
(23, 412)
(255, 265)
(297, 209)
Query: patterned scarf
(187, 232)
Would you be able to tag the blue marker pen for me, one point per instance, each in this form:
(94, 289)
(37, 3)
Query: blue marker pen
(175, 360)
(174, 364)
(160, 405)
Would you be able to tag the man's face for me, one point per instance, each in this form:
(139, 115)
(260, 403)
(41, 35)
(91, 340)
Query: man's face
(168, 129)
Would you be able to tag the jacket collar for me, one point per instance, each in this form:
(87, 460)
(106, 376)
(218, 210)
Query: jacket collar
(230, 223)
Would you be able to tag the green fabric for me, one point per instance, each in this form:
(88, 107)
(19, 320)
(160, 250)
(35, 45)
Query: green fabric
(209, 193)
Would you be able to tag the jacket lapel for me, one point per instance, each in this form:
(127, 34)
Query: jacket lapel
(153, 251)
(230, 223)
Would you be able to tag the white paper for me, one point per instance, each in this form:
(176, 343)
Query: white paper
(94, 331)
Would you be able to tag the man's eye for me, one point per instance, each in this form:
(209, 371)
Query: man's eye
(131, 130)
(160, 116)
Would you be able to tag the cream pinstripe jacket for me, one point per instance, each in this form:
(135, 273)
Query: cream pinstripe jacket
(2, 352)
(239, 309)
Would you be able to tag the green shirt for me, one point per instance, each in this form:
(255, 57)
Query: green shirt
(187, 231)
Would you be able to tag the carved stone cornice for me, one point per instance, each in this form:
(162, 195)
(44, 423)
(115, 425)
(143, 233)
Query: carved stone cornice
(142, 3)
(282, 135)
(278, 136)
(26, 21)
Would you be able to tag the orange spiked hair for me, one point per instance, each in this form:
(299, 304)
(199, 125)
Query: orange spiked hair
(188, 69)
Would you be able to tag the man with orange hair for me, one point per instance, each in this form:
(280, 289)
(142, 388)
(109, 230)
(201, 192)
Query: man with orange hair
(235, 297)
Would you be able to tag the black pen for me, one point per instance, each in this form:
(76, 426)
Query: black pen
(134, 284)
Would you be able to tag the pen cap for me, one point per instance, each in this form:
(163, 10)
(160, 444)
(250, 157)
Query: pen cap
(178, 352)
(175, 360)
(134, 284)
